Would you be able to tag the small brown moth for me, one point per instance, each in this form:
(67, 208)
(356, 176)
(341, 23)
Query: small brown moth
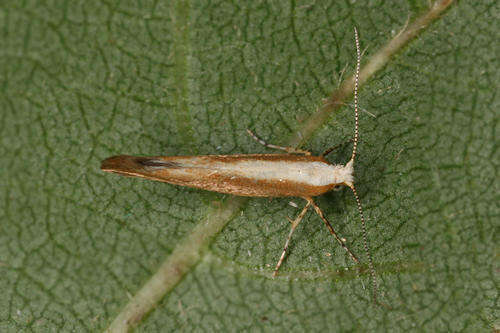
(295, 174)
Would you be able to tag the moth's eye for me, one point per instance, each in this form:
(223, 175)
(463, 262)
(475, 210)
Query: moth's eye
(337, 188)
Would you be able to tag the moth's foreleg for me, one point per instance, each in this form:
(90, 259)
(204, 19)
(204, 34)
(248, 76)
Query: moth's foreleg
(290, 150)
(295, 223)
(330, 228)
(329, 150)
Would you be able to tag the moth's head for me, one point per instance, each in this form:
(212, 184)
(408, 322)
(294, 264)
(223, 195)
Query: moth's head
(349, 173)
(343, 175)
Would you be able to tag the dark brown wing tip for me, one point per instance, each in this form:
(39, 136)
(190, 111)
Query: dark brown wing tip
(125, 164)
(119, 163)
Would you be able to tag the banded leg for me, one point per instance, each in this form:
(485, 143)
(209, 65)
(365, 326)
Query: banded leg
(290, 150)
(329, 226)
(295, 223)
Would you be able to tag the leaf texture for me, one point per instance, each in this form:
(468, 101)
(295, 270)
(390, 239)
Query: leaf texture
(81, 81)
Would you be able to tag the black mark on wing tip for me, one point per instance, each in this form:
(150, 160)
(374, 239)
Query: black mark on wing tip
(112, 163)
(151, 162)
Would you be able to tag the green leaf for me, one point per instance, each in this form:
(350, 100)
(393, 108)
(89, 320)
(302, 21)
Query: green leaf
(83, 81)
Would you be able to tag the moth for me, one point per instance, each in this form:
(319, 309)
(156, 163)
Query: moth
(297, 173)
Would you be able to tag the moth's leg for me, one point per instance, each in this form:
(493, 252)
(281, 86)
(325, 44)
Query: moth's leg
(329, 226)
(329, 150)
(294, 223)
(290, 150)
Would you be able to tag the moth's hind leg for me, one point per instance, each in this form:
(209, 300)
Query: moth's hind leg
(294, 223)
(330, 228)
(290, 150)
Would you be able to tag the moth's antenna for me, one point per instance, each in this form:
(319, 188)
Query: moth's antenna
(358, 202)
(356, 84)
(365, 243)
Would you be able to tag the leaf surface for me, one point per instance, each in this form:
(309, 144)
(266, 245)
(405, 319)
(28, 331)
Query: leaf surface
(84, 81)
